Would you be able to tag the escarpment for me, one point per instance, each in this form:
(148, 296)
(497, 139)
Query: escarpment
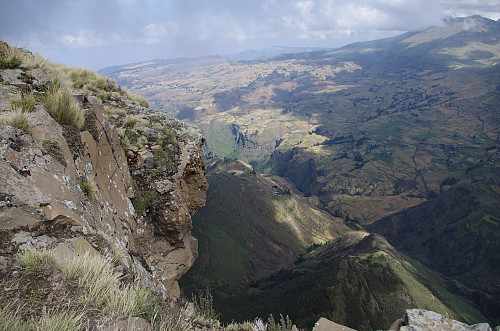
(131, 175)
(169, 185)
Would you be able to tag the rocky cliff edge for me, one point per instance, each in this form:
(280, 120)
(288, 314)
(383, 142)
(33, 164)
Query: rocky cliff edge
(128, 179)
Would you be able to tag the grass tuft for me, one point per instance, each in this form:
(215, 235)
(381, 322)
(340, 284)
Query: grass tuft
(142, 101)
(171, 319)
(54, 150)
(284, 324)
(12, 57)
(11, 320)
(89, 188)
(131, 300)
(81, 76)
(130, 122)
(63, 108)
(35, 260)
(102, 285)
(204, 305)
(98, 279)
(26, 103)
(114, 110)
(17, 119)
(57, 321)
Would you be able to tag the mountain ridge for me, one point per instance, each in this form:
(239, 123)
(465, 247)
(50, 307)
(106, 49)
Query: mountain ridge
(368, 131)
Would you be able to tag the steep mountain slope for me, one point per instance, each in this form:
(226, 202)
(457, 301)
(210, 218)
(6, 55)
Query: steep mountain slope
(455, 234)
(359, 280)
(252, 227)
(96, 198)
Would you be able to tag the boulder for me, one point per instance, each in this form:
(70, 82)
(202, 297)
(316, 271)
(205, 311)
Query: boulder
(425, 320)
(324, 324)
(130, 324)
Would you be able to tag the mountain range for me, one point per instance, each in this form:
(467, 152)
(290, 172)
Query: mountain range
(394, 139)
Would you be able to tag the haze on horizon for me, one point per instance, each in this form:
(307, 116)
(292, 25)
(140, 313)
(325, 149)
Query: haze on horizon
(100, 33)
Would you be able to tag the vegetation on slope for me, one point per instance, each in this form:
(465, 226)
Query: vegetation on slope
(454, 234)
(359, 281)
(251, 227)
(58, 89)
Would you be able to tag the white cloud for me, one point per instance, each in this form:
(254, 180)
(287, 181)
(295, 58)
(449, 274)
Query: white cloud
(202, 27)
(83, 39)
(216, 26)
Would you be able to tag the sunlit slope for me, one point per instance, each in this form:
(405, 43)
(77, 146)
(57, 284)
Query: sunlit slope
(251, 227)
(371, 129)
(359, 280)
(456, 234)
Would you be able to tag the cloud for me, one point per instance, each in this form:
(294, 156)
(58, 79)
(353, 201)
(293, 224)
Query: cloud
(172, 28)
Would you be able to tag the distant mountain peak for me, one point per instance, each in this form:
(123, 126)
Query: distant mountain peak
(452, 26)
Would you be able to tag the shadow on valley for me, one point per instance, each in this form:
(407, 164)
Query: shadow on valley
(257, 258)
(455, 234)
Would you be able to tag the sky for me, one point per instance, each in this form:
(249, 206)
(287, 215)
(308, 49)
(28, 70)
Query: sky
(100, 33)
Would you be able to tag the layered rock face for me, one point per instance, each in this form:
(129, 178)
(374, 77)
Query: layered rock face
(54, 176)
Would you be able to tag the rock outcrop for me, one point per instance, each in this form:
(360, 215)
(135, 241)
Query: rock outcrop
(414, 320)
(324, 324)
(424, 320)
(137, 186)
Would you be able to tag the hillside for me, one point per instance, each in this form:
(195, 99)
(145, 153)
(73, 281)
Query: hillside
(456, 235)
(359, 281)
(377, 125)
(374, 130)
(252, 227)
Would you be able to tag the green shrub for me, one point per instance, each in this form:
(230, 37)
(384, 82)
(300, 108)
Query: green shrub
(63, 108)
(169, 135)
(142, 200)
(163, 160)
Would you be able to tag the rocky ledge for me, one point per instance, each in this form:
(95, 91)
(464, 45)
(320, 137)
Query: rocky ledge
(131, 176)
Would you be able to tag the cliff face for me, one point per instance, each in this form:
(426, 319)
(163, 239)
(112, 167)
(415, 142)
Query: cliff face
(137, 186)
